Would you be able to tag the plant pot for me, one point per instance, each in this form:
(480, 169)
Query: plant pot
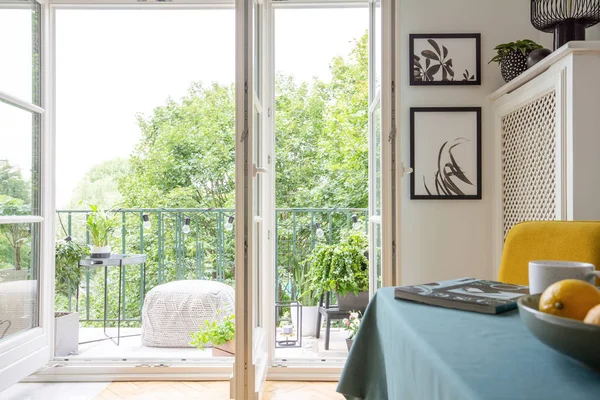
(352, 302)
(66, 333)
(100, 252)
(513, 65)
(226, 349)
(309, 320)
(349, 343)
(11, 275)
(536, 56)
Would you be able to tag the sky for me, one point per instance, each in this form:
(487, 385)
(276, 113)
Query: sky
(114, 64)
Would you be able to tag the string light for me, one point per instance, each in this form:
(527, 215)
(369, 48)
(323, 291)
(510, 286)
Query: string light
(186, 225)
(355, 223)
(229, 223)
(319, 232)
(147, 224)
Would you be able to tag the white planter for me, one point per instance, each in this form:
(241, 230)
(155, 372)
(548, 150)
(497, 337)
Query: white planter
(100, 252)
(309, 320)
(66, 333)
(11, 275)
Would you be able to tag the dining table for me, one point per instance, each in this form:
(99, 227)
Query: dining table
(410, 351)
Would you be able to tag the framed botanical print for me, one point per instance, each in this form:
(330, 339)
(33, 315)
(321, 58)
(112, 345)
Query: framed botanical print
(445, 59)
(445, 153)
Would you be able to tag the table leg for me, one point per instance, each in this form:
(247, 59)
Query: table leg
(105, 297)
(119, 306)
(327, 329)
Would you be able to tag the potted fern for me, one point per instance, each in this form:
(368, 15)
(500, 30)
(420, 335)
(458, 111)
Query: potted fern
(218, 334)
(100, 225)
(305, 295)
(343, 269)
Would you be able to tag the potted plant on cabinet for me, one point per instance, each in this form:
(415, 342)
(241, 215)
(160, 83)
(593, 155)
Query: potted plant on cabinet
(512, 57)
(219, 335)
(343, 269)
(100, 225)
(68, 277)
(351, 325)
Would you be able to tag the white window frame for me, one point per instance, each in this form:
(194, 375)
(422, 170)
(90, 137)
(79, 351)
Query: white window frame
(25, 352)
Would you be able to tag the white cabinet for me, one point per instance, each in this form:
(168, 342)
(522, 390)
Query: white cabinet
(548, 141)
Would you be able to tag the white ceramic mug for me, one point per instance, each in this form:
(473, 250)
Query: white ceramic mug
(544, 273)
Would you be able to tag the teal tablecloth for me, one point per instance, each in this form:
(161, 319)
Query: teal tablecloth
(410, 351)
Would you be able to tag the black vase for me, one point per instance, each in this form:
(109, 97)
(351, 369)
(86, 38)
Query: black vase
(536, 56)
(513, 65)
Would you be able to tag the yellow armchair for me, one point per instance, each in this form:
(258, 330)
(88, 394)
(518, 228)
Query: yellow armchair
(548, 240)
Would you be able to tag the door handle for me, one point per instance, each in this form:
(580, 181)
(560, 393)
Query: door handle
(405, 170)
(258, 170)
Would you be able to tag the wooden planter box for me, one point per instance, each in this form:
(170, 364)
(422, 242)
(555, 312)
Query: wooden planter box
(224, 350)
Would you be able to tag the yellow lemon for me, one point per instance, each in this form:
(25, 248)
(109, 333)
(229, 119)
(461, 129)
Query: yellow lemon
(570, 298)
(593, 316)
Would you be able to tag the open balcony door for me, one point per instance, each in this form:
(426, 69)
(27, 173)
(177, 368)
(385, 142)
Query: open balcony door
(252, 355)
(26, 292)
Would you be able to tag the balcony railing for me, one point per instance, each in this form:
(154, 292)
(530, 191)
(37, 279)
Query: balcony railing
(205, 251)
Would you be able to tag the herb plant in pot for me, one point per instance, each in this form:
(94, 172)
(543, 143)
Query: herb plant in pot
(305, 295)
(343, 269)
(100, 225)
(68, 277)
(512, 57)
(218, 334)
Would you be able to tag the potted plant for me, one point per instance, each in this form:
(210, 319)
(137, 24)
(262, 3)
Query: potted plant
(219, 335)
(68, 277)
(512, 57)
(342, 268)
(305, 295)
(100, 225)
(351, 325)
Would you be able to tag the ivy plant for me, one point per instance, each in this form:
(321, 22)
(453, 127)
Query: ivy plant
(214, 333)
(524, 46)
(341, 268)
(68, 272)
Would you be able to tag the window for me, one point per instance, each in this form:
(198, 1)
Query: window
(20, 166)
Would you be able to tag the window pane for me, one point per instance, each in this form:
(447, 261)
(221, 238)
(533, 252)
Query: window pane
(19, 161)
(20, 49)
(19, 267)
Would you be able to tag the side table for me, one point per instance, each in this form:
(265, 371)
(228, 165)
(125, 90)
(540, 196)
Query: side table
(116, 260)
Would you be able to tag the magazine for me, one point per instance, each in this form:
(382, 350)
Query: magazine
(465, 294)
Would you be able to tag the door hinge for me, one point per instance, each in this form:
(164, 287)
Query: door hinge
(269, 112)
(269, 235)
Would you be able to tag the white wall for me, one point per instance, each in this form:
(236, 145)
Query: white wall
(444, 239)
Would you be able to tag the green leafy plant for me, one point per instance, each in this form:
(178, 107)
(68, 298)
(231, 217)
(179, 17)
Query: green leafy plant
(342, 268)
(214, 333)
(305, 293)
(68, 272)
(101, 225)
(524, 46)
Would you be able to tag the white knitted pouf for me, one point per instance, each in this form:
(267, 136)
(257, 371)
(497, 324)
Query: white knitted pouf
(174, 310)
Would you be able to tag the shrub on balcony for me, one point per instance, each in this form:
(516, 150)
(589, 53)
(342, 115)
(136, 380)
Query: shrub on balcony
(68, 271)
(214, 333)
(341, 268)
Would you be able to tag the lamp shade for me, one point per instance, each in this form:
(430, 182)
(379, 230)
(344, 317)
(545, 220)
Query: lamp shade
(567, 19)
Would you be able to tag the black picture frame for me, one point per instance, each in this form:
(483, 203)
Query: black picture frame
(476, 111)
(414, 81)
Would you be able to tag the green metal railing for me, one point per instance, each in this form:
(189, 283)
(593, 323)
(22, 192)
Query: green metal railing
(205, 252)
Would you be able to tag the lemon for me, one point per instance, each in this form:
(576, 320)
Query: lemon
(593, 316)
(570, 298)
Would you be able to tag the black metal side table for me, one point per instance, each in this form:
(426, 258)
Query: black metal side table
(116, 260)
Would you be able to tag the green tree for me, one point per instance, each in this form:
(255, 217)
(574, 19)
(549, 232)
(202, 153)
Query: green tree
(12, 183)
(100, 185)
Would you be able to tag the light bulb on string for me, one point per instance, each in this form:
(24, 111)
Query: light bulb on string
(229, 223)
(319, 232)
(147, 224)
(355, 223)
(186, 226)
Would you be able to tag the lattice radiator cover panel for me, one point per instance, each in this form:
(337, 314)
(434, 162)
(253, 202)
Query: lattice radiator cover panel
(529, 162)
